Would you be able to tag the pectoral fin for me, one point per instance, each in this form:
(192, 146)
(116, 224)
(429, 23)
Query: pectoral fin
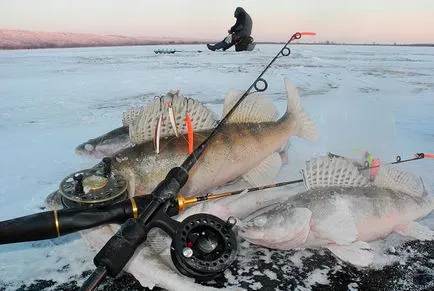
(266, 172)
(358, 253)
(416, 230)
(284, 153)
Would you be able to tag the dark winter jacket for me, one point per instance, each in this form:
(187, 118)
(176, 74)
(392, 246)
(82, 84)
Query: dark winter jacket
(243, 26)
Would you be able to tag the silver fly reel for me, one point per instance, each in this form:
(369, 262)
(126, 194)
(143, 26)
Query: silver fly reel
(95, 187)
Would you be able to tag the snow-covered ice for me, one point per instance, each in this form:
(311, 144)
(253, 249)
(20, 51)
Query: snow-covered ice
(362, 98)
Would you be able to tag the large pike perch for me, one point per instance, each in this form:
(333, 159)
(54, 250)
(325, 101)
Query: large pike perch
(247, 145)
(343, 211)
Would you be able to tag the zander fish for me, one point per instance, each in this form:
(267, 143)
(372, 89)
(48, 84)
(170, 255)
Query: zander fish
(343, 211)
(247, 146)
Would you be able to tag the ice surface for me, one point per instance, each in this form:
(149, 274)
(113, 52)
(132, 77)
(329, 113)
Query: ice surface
(363, 98)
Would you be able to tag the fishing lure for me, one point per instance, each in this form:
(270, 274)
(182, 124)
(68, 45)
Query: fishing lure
(158, 131)
(172, 114)
(190, 131)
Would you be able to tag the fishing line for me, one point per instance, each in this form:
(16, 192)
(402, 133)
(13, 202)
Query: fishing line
(260, 85)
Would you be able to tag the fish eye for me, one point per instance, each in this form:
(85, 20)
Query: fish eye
(260, 220)
(88, 147)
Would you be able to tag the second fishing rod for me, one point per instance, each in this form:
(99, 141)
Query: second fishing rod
(51, 224)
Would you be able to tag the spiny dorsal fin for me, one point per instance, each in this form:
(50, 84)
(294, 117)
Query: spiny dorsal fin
(333, 172)
(392, 177)
(131, 114)
(143, 120)
(254, 108)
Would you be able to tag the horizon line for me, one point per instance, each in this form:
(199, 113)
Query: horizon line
(207, 39)
(49, 39)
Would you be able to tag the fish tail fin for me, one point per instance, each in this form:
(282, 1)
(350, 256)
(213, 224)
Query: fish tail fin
(305, 126)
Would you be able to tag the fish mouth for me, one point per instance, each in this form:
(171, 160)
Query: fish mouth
(52, 201)
(88, 150)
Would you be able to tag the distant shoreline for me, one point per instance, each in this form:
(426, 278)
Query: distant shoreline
(47, 46)
(55, 46)
(11, 39)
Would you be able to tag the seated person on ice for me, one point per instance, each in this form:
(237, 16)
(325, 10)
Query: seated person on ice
(239, 34)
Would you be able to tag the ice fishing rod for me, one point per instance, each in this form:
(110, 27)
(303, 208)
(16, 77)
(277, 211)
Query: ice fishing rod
(213, 196)
(206, 197)
(56, 223)
(198, 151)
(116, 253)
(51, 224)
(398, 160)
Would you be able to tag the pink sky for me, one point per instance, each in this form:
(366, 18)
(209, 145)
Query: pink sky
(367, 21)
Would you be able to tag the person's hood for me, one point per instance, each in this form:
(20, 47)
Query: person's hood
(239, 11)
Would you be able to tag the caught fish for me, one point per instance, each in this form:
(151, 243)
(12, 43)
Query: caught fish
(140, 124)
(343, 212)
(247, 146)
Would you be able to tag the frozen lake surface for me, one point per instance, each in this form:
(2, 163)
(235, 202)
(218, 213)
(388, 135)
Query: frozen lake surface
(372, 98)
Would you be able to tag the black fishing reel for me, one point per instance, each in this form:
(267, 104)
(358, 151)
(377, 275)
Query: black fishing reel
(204, 246)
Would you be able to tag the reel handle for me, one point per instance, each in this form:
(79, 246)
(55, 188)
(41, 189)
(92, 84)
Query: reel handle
(52, 224)
(204, 246)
